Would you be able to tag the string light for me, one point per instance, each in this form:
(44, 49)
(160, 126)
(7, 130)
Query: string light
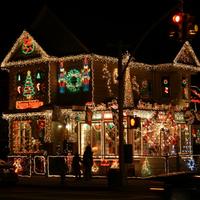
(128, 97)
(185, 61)
(107, 76)
(19, 41)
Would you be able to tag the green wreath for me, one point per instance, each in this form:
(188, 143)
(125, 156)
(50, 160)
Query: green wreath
(74, 81)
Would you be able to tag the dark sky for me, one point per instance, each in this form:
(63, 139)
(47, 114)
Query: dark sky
(141, 25)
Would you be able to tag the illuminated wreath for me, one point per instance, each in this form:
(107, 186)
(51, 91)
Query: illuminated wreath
(27, 45)
(74, 81)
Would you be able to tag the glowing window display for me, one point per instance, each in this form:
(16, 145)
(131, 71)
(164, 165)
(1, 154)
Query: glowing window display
(111, 139)
(28, 136)
(91, 135)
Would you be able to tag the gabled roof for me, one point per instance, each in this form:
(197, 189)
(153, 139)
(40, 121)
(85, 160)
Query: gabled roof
(20, 51)
(186, 56)
(55, 36)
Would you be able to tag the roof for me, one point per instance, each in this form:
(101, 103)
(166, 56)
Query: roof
(54, 36)
(15, 54)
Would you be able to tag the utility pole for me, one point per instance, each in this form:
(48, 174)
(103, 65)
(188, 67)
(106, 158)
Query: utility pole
(120, 113)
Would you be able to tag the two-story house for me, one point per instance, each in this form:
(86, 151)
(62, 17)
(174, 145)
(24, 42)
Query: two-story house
(69, 102)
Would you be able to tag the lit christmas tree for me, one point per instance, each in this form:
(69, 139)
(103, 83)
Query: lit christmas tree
(146, 170)
(28, 87)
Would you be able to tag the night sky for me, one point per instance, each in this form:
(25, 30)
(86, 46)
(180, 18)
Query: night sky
(141, 25)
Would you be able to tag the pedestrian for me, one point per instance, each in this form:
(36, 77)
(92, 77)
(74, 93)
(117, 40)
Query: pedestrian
(87, 162)
(76, 166)
(62, 168)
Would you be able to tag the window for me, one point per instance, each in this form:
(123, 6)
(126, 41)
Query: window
(91, 135)
(184, 85)
(28, 136)
(111, 139)
(165, 87)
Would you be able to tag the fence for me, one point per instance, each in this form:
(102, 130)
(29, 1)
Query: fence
(141, 166)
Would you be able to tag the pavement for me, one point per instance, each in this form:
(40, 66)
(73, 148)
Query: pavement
(95, 183)
(161, 182)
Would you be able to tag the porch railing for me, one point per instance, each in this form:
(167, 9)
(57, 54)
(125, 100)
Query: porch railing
(142, 166)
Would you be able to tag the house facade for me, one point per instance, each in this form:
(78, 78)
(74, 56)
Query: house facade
(62, 104)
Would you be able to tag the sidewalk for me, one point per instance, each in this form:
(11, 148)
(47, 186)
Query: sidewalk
(96, 183)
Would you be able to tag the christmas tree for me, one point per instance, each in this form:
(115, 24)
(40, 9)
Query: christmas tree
(28, 87)
(146, 170)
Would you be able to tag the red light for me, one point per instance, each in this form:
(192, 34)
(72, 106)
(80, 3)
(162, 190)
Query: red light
(177, 18)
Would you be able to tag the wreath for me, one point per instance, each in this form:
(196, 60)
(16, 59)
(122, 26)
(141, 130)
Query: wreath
(27, 45)
(73, 79)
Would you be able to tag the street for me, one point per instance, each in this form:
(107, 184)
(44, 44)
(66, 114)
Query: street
(40, 193)
(179, 186)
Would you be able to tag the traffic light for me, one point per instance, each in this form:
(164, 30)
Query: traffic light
(176, 30)
(183, 26)
(133, 122)
(177, 18)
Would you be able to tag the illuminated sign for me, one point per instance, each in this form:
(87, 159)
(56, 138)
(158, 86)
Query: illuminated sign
(29, 104)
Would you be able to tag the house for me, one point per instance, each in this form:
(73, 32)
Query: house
(71, 101)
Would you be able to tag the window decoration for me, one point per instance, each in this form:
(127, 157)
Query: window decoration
(185, 88)
(195, 94)
(165, 86)
(135, 85)
(39, 84)
(19, 89)
(28, 135)
(111, 134)
(61, 79)
(189, 117)
(19, 77)
(27, 45)
(85, 75)
(145, 90)
(28, 87)
(19, 84)
(38, 76)
(74, 80)
(88, 116)
(196, 135)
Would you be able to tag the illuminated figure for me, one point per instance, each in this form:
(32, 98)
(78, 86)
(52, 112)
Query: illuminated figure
(61, 79)
(85, 75)
(17, 165)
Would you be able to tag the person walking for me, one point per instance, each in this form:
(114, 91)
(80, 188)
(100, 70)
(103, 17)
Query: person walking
(87, 162)
(62, 167)
(76, 166)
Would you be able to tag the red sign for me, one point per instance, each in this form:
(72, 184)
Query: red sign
(29, 104)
